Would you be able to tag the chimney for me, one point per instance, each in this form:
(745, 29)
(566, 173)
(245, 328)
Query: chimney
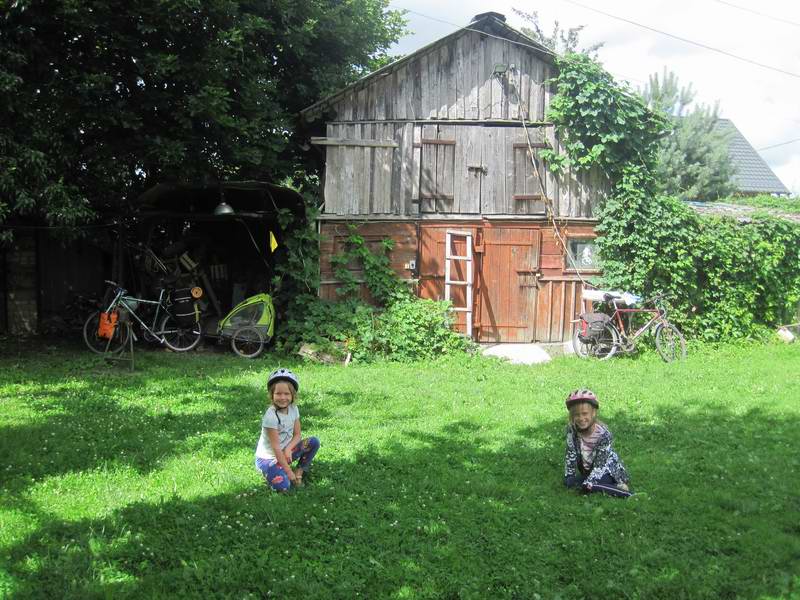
(499, 16)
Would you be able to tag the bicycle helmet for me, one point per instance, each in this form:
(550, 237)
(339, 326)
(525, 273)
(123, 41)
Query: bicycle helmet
(582, 395)
(284, 375)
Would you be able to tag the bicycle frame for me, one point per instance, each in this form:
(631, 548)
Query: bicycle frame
(658, 317)
(120, 299)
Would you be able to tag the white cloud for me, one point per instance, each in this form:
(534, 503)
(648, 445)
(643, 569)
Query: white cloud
(762, 102)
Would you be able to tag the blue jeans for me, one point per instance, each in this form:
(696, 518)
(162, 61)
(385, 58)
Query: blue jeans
(274, 474)
(606, 485)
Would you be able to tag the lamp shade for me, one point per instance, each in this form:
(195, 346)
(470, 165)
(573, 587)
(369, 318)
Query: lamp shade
(223, 208)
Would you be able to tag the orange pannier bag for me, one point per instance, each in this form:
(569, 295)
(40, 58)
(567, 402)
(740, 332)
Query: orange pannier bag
(107, 324)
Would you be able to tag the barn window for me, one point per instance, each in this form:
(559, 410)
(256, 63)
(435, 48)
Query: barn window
(528, 197)
(438, 169)
(583, 255)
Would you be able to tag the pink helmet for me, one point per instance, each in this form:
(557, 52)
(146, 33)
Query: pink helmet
(582, 395)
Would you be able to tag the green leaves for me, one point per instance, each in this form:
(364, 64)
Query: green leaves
(606, 125)
(729, 280)
(115, 99)
(402, 327)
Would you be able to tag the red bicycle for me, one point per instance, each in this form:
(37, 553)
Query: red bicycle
(602, 335)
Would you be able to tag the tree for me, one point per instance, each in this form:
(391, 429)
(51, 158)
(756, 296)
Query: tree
(99, 100)
(693, 161)
(560, 41)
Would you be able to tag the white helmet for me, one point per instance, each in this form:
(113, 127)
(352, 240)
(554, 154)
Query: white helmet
(284, 375)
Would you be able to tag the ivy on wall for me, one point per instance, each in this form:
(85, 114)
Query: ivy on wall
(728, 279)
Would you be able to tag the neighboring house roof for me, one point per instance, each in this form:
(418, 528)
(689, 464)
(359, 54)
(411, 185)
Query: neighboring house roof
(753, 175)
(489, 23)
(740, 212)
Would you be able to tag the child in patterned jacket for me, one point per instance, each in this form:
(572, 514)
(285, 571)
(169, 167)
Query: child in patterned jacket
(591, 464)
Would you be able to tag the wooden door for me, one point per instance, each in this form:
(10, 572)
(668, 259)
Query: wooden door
(508, 284)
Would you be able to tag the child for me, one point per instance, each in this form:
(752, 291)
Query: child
(280, 443)
(591, 463)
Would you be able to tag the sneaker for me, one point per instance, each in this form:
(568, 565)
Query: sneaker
(298, 473)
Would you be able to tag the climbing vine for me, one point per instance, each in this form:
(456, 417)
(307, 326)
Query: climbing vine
(727, 278)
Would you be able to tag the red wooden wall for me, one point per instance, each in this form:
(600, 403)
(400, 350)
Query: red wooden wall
(523, 289)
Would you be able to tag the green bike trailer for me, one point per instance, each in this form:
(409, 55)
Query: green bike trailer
(250, 325)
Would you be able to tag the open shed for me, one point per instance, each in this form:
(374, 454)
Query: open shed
(224, 237)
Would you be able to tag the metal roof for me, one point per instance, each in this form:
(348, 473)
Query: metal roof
(753, 174)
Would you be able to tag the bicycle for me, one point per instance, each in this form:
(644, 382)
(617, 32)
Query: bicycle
(179, 332)
(602, 336)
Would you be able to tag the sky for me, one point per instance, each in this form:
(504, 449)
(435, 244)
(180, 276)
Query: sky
(762, 100)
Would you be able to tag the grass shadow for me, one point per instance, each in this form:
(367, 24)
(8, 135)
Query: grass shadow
(454, 513)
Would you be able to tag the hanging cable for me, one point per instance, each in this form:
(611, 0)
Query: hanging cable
(686, 40)
(760, 14)
(548, 203)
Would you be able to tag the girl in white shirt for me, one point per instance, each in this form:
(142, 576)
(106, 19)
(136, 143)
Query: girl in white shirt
(280, 442)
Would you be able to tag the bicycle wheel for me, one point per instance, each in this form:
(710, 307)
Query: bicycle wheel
(247, 342)
(670, 342)
(178, 338)
(582, 350)
(603, 348)
(101, 345)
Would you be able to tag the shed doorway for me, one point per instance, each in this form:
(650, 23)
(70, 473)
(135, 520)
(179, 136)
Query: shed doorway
(506, 270)
(508, 291)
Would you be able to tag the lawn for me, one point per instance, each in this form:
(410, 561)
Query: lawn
(436, 480)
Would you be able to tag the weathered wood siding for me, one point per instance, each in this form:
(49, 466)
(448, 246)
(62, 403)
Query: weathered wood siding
(446, 168)
(333, 241)
(523, 289)
(455, 81)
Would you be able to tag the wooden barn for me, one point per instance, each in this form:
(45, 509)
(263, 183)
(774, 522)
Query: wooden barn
(440, 152)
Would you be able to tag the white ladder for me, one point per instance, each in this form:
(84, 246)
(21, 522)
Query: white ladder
(448, 282)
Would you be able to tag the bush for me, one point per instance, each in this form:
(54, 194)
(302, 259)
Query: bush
(413, 329)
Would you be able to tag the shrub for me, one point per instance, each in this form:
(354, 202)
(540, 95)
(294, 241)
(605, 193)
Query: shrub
(415, 329)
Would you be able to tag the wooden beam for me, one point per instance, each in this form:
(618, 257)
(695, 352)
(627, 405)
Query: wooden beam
(439, 142)
(326, 141)
(524, 146)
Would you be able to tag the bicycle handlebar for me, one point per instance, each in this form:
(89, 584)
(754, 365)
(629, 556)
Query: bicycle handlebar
(114, 283)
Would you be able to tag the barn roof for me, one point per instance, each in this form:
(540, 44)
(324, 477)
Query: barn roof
(753, 174)
(492, 24)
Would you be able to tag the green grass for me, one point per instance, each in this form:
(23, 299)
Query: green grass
(437, 480)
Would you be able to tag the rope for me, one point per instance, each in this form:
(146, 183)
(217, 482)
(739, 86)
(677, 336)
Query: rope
(548, 203)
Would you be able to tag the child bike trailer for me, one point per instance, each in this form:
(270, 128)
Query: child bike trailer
(250, 325)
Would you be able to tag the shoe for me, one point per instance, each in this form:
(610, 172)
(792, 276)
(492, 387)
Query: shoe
(298, 473)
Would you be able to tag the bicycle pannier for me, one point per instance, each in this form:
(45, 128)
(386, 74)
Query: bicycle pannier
(184, 308)
(107, 324)
(592, 326)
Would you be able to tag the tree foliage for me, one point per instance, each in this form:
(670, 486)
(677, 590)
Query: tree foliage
(598, 122)
(559, 40)
(693, 161)
(100, 100)
(728, 279)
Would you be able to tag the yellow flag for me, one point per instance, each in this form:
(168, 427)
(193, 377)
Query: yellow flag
(273, 243)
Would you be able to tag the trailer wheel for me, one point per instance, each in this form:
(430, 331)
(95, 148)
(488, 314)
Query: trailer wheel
(247, 342)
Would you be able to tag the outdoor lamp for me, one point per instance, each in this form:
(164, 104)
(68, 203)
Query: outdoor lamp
(500, 69)
(223, 208)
